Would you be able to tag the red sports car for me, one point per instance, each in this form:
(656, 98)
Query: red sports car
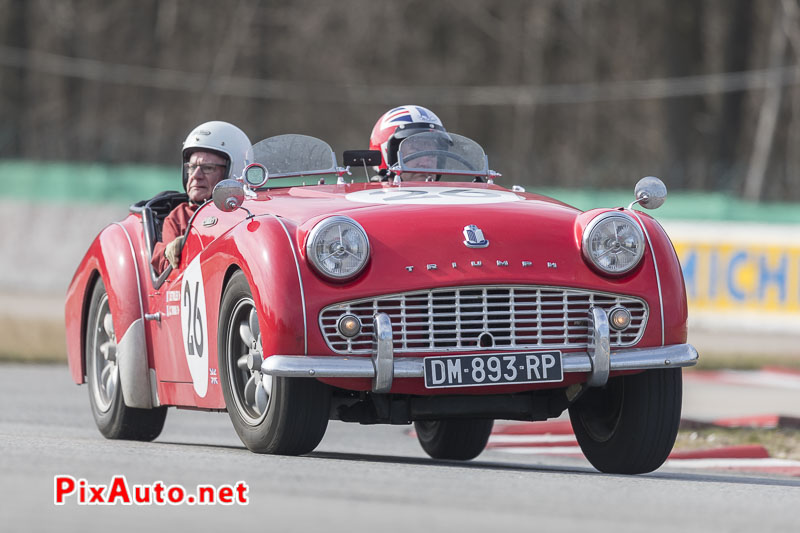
(435, 297)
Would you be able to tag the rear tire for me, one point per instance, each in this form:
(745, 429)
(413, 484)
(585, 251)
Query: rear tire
(290, 415)
(114, 419)
(629, 426)
(456, 439)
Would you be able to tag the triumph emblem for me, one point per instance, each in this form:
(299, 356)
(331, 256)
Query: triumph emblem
(474, 237)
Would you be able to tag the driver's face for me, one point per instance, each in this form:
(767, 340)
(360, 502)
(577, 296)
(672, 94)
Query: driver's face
(428, 161)
(425, 161)
(205, 171)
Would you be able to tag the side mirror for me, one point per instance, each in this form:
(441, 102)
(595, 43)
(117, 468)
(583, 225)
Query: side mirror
(650, 193)
(255, 175)
(228, 195)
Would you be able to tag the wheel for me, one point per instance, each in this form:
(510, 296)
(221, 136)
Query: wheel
(457, 439)
(629, 426)
(286, 416)
(114, 419)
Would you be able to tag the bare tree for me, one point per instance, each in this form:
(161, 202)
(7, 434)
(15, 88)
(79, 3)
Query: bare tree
(768, 116)
(584, 93)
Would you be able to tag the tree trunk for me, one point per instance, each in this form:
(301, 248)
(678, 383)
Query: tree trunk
(768, 116)
(13, 99)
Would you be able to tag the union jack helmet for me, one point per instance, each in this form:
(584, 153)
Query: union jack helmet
(397, 124)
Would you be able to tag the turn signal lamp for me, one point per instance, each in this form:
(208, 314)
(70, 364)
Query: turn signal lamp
(619, 318)
(349, 326)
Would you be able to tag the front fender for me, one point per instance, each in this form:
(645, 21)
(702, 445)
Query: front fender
(668, 307)
(112, 257)
(674, 312)
(263, 250)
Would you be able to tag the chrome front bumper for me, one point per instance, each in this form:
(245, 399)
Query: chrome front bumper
(383, 367)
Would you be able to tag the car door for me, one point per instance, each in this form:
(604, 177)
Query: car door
(185, 346)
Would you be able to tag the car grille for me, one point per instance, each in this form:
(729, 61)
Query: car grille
(482, 317)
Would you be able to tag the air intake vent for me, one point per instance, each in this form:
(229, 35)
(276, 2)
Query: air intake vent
(484, 317)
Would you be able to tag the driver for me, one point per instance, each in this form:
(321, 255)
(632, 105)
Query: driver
(396, 125)
(213, 151)
(425, 152)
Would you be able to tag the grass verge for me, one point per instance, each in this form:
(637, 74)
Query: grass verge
(744, 361)
(32, 341)
(782, 443)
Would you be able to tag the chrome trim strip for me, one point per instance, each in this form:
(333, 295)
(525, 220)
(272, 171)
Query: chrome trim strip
(383, 358)
(599, 348)
(331, 366)
(299, 279)
(134, 378)
(311, 366)
(658, 277)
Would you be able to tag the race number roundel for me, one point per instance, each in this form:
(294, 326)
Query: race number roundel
(194, 326)
(433, 196)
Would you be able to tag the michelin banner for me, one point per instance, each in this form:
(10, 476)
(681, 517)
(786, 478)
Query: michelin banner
(740, 276)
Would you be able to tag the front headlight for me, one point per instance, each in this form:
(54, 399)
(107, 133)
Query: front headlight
(613, 242)
(338, 248)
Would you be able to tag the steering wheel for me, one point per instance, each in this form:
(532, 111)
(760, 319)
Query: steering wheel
(457, 157)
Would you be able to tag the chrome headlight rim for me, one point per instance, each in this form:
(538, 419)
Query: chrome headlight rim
(311, 241)
(594, 223)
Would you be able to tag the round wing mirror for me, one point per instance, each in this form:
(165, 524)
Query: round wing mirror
(650, 192)
(228, 195)
(255, 175)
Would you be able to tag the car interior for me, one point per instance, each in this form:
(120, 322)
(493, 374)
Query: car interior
(153, 212)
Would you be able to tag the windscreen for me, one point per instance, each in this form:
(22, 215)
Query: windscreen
(439, 153)
(293, 160)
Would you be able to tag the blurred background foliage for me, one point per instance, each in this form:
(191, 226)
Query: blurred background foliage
(561, 93)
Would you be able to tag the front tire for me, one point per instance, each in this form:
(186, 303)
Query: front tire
(114, 419)
(455, 439)
(629, 425)
(277, 415)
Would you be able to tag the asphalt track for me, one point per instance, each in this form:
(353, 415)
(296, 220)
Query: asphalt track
(360, 477)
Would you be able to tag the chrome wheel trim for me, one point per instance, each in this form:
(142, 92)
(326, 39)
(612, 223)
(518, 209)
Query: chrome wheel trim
(251, 391)
(103, 364)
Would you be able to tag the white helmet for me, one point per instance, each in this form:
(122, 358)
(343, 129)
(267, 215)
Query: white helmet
(221, 138)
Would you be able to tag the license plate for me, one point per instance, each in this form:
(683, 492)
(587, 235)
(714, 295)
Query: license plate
(494, 369)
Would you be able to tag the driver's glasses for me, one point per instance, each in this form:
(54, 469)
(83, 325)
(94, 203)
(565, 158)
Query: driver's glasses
(206, 168)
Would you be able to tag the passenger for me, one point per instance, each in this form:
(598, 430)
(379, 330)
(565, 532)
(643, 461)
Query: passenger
(394, 126)
(213, 151)
(425, 154)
